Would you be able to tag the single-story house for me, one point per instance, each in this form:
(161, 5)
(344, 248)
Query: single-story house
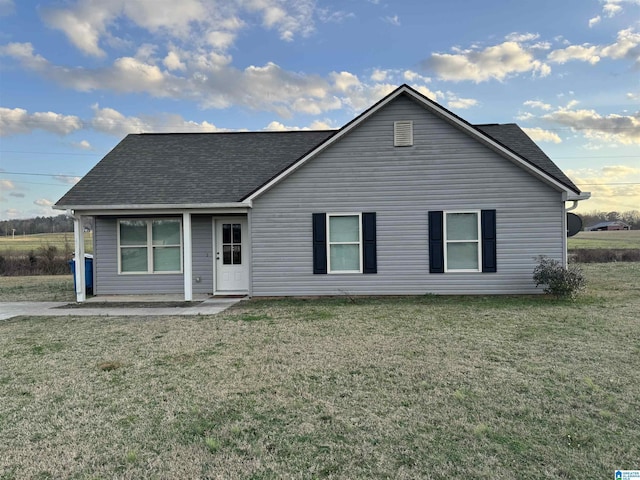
(613, 225)
(407, 198)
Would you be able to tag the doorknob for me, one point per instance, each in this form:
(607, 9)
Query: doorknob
(217, 255)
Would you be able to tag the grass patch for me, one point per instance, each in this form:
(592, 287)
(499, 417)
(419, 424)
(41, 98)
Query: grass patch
(620, 239)
(38, 288)
(21, 244)
(408, 387)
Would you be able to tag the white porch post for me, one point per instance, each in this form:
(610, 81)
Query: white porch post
(188, 254)
(80, 273)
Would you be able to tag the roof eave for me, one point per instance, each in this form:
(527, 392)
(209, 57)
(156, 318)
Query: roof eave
(145, 208)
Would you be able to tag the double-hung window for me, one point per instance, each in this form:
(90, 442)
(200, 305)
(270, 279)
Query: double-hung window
(150, 245)
(344, 245)
(462, 243)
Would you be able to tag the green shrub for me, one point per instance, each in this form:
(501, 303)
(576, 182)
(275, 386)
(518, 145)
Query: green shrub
(558, 280)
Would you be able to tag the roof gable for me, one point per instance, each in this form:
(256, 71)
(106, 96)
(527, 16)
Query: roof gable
(539, 164)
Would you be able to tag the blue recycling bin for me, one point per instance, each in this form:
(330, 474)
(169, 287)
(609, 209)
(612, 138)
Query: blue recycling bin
(88, 272)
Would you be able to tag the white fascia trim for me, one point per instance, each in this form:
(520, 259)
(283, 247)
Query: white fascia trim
(236, 207)
(572, 197)
(430, 105)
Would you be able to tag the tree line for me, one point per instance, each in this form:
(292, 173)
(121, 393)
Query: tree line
(630, 217)
(30, 226)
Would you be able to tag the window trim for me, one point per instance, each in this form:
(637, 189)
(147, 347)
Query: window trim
(446, 242)
(149, 246)
(329, 243)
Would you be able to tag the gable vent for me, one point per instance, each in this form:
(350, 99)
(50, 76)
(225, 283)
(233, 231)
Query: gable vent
(403, 133)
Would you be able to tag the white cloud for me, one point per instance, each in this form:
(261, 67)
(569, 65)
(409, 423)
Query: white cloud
(613, 187)
(626, 46)
(521, 37)
(393, 20)
(611, 8)
(460, 103)
(540, 135)
(344, 81)
(379, 75)
(108, 120)
(6, 184)
(610, 128)
(411, 76)
(90, 25)
(587, 53)
(172, 62)
(276, 126)
(497, 62)
(221, 40)
(83, 145)
(594, 21)
(327, 16)
(18, 120)
(43, 202)
(538, 104)
(66, 179)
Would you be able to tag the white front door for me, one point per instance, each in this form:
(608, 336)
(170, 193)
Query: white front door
(232, 259)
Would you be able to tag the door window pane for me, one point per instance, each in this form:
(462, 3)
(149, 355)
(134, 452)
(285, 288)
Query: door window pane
(344, 257)
(133, 259)
(237, 255)
(226, 254)
(237, 233)
(166, 259)
(133, 232)
(344, 228)
(462, 226)
(226, 233)
(462, 256)
(166, 232)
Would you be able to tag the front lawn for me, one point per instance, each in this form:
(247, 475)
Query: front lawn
(418, 387)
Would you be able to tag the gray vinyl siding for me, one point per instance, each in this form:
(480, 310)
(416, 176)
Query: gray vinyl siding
(363, 172)
(202, 241)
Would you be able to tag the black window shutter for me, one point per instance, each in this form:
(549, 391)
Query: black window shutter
(488, 223)
(436, 242)
(369, 262)
(319, 243)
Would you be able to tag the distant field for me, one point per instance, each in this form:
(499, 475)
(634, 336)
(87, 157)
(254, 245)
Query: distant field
(624, 239)
(26, 243)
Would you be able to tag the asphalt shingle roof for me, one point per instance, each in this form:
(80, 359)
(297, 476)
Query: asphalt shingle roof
(207, 168)
(190, 168)
(511, 136)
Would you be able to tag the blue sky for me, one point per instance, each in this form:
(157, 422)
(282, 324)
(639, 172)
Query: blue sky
(77, 76)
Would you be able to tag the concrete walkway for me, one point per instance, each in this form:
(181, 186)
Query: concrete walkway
(210, 306)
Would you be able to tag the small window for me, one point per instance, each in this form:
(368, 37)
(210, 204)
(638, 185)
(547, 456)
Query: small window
(403, 133)
(150, 246)
(344, 245)
(462, 242)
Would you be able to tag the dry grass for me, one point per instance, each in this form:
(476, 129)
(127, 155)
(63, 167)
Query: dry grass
(421, 387)
(21, 244)
(622, 239)
(37, 288)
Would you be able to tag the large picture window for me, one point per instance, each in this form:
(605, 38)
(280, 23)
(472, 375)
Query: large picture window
(462, 241)
(344, 246)
(150, 245)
